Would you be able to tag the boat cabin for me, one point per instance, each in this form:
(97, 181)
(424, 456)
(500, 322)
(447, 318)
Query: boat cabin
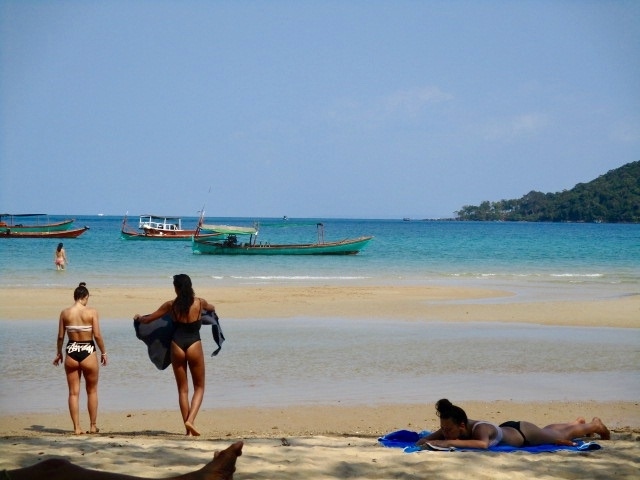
(154, 222)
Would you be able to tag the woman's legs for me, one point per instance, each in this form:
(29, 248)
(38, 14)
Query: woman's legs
(220, 468)
(563, 433)
(195, 359)
(73, 372)
(179, 364)
(580, 428)
(91, 373)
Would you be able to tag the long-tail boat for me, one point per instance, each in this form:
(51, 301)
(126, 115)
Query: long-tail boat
(158, 227)
(230, 245)
(32, 222)
(6, 232)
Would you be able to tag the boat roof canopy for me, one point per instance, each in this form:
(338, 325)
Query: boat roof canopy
(160, 216)
(23, 214)
(230, 229)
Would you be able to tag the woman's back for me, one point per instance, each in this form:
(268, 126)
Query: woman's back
(192, 316)
(78, 322)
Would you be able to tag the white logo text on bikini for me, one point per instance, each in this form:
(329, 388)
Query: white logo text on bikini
(80, 347)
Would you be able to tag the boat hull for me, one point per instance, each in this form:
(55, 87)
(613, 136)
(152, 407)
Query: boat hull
(35, 228)
(71, 233)
(183, 236)
(207, 245)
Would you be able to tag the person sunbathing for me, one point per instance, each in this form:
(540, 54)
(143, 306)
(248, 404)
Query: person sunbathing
(457, 431)
(220, 468)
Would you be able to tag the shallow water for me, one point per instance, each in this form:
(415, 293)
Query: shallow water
(337, 361)
(306, 360)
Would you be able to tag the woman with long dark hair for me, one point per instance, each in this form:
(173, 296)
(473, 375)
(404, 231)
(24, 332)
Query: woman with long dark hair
(186, 347)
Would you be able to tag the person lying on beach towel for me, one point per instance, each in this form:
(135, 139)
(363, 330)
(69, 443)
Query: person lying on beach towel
(220, 468)
(457, 431)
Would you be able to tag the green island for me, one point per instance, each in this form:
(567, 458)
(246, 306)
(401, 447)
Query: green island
(611, 198)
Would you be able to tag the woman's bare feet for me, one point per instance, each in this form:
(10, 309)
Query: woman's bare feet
(93, 429)
(601, 429)
(221, 467)
(191, 430)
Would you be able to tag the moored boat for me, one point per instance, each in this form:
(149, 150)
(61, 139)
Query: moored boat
(70, 233)
(208, 244)
(157, 227)
(32, 222)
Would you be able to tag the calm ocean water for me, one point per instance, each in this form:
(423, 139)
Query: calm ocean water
(580, 259)
(307, 360)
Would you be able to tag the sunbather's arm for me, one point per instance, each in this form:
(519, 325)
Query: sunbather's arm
(470, 443)
(437, 435)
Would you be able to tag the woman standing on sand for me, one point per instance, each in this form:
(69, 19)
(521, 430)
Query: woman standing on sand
(186, 346)
(60, 258)
(82, 327)
(456, 430)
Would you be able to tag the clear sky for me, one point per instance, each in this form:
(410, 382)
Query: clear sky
(349, 109)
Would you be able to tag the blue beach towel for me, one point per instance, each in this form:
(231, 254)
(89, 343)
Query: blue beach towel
(157, 336)
(407, 439)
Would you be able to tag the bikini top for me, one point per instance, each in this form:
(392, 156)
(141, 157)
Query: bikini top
(497, 439)
(79, 328)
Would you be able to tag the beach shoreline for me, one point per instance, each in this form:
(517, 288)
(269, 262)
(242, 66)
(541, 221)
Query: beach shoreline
(327, 420)
(319, 442)
(324, 441)
(411, 303)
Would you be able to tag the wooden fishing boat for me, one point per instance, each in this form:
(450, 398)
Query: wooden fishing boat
(32, 222)
(156, 227)
(71, 233)
(208, 244)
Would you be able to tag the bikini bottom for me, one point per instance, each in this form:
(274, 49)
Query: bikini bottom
(80, 350)
(516, 426)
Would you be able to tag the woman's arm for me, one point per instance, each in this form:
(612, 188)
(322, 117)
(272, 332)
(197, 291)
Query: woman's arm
(480, 439)
(97, 335)
(209, 307)
(159, 313)
(437, 435)
(60, 339)
(471, 443)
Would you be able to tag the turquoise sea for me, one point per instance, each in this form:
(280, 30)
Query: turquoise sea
(575, 258)
(310, 360)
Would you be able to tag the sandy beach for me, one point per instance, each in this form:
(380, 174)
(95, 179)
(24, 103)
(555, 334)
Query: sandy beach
(329, 441)
(418, 303)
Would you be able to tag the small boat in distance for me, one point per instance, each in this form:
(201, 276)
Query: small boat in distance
(209, 244)
(70, 233)
(157, 227)
(38, 222)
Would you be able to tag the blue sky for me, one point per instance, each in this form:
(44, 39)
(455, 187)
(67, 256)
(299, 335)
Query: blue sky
(352, 109)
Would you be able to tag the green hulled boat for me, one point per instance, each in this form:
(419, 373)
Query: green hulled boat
(212, 244)
(32, 223)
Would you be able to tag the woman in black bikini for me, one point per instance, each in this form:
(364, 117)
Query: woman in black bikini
(456, 430)
(186, 347)
(83, 329)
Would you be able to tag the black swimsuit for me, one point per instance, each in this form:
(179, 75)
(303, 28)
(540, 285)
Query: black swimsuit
(80, 350)
(516, 425)
(186, 334)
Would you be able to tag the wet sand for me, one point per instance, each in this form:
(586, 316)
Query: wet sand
(326, 441)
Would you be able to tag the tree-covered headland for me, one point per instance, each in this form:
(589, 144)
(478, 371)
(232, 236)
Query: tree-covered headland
(612, 198)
